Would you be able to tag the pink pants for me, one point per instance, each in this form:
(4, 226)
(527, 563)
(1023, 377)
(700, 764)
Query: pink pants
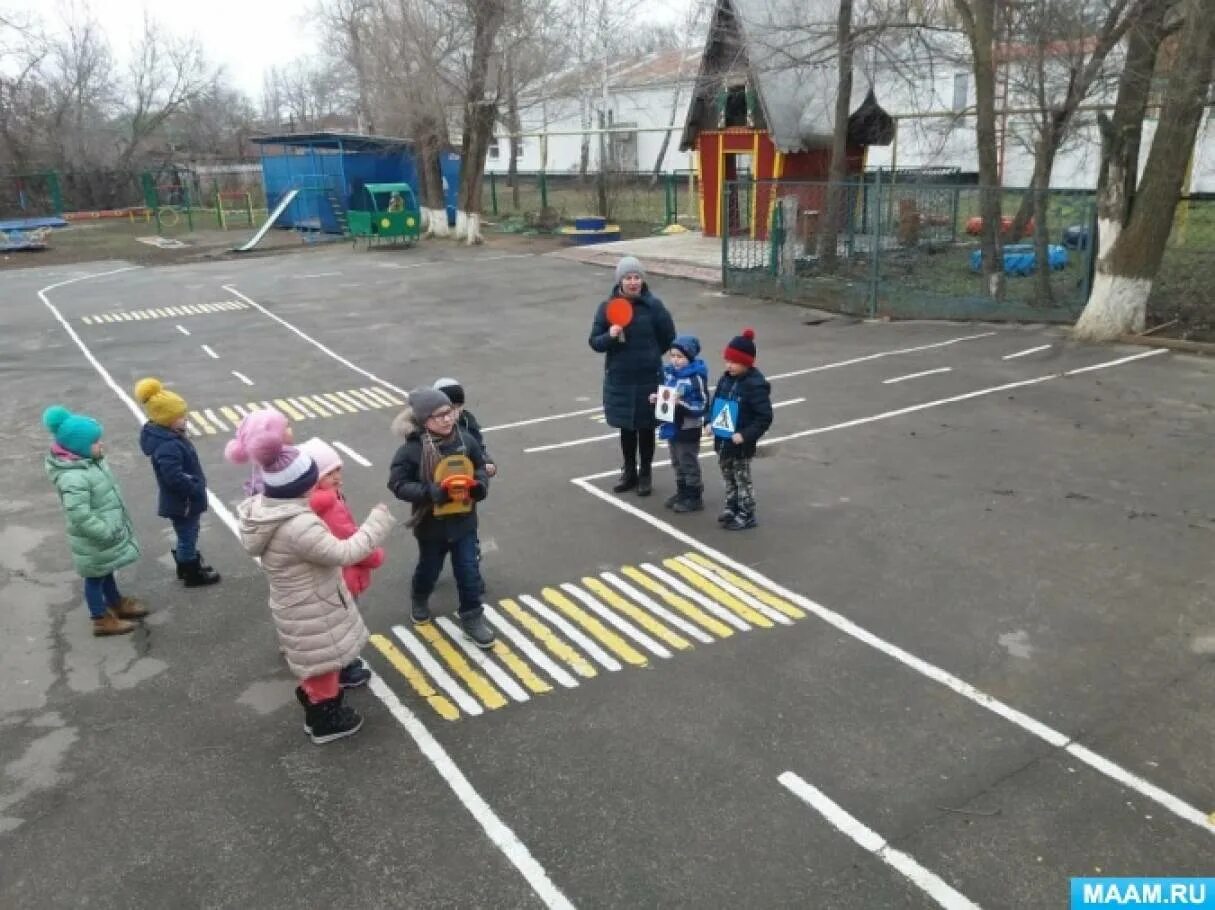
(321, 688)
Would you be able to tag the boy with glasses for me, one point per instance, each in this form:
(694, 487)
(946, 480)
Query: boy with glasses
(431, 432)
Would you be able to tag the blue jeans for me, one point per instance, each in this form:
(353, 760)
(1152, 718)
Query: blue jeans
(187, 537)
(431, 554)
(101, 594)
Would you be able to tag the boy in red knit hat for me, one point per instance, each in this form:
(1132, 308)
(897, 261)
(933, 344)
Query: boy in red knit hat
(740, 413)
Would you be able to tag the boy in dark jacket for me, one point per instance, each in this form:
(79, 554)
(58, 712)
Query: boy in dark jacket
(179, 475)
(467, 422)
(740, 413)
(429, 425)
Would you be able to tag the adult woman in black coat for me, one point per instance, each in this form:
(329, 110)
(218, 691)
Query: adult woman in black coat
(632, 371)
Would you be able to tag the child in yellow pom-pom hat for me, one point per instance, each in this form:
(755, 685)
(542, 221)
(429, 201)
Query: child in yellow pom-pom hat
(179, 475)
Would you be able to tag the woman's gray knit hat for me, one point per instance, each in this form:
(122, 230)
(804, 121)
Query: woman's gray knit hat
(629, 264)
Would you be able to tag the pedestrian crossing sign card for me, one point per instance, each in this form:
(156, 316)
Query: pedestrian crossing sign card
(724, 417)
(664, 407)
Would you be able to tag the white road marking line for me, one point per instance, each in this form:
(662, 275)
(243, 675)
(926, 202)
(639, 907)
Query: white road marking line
(210, 415)
(422, 654)
(314, 402)
(351, 453)
(1026, 352)
(499, 834)
(183, 330)
(894, 379)
(306, 411)
(570, 442)
(787, 402)
(528, 647)
(1105, 365)
(668, 616)
(319, 275)
(570, 632)
(210, 353)
(610, 616)
(480, 660)
(352, 401)
(312, 341)
(879, 355)
(911, 409)
(242, 377)
(928, 882)
(532, 420)
(1032, 726)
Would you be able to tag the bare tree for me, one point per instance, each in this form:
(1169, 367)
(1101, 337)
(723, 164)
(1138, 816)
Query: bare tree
(978, 18)
(1127, 270)
(347, 27)
(480, 112)
(166, 74)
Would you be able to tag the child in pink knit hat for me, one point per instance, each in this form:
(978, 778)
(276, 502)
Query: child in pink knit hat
(317, 621)
(259, 429)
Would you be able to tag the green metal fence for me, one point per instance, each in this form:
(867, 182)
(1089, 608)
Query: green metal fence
(903, 249)
(639, 202)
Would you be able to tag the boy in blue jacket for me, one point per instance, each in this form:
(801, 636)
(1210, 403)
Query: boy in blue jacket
(179, 475)
(689, 376)
(740, 413)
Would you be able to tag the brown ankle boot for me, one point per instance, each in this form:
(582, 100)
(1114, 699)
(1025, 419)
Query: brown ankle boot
(129, 608)
(109, 624)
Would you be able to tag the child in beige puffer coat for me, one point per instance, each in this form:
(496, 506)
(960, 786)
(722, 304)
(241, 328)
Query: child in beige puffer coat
(318, 623)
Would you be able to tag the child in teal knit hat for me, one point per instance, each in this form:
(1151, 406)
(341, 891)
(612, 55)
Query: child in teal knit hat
(100, 533)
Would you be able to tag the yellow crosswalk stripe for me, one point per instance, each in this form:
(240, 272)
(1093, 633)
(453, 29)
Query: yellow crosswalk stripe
(299, 405)
(253, 406)
(232, 416)
(754, 603)
(554, 645)
(392, 398)
(745, 584)
(456, 662)
(736, 606)
(348, 408)
(416, 679)
(520, 668)
(360, 395)
(201, 422)
(314, 401)
(638, 615)
(684, 606)
(87, 320)
(287, 409)
(605, 636)
(373, 394)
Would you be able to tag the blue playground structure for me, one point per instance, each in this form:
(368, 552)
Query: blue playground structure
(329, 170)
(1020, 261)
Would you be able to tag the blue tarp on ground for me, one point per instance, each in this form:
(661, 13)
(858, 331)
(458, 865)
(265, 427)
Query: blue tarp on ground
(1019, 259)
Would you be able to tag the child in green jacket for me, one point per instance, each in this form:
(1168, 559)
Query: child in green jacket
(98, 526)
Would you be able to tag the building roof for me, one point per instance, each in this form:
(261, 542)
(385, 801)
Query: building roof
(787, 49)
(657, 69)
(353, 142)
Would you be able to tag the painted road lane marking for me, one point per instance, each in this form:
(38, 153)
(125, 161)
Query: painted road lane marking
(168, 312)
(573, 631)
(207, 422)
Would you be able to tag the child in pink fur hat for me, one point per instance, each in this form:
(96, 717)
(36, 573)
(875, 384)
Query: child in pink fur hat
(259, 429)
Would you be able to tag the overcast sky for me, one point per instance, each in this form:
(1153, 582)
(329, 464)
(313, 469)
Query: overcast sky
(246, 36)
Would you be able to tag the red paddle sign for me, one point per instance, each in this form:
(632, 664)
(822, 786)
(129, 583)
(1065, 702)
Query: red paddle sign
(619, 312)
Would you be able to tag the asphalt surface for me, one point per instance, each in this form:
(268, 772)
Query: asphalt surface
(1044, 540)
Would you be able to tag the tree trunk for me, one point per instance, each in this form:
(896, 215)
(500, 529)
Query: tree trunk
(979, 23)
(514, 125)
(1122, 134)
(1123, 283)
(430, 178)
(480, 113)
(828, 237)
(584, 152)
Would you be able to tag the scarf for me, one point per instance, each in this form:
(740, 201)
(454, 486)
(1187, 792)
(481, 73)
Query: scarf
(431, 456)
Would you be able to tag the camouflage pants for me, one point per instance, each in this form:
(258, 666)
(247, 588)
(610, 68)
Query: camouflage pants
(740, 492)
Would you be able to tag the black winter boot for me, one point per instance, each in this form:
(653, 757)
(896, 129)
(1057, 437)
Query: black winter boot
(645, 483)
(477, 630)
(628, 478)
(181, 573)
(332, 720)
(680, 491)
(692, 500)
(197, 575)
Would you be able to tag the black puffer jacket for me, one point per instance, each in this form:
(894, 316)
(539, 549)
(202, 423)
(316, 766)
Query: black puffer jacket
(754, 396)
(632, 369)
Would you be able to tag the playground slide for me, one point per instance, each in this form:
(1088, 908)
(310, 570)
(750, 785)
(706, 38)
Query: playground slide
(261, 232)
